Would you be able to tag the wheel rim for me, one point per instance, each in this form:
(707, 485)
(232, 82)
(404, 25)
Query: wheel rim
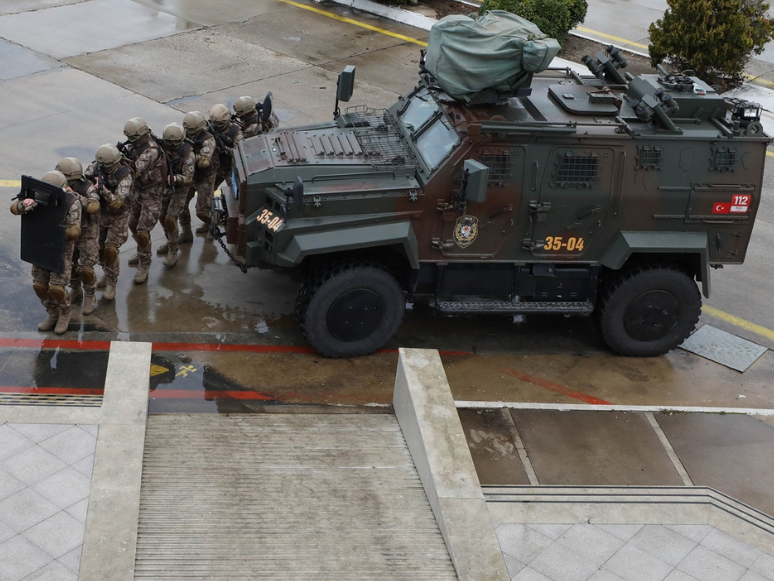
(652, 315)
(355, 315)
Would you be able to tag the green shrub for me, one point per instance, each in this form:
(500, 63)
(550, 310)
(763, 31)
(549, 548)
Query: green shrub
(553, 17)
(714, 38)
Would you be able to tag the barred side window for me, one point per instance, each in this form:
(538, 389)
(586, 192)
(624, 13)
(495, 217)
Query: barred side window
(577, 170)
(723, 159)
(499, 167)
(648, 157)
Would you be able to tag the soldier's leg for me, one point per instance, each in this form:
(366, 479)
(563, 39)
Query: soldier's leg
(203, 202)
(134, 219)
(89, 254)
(165, 200)
(185, 217)
(117, 235)
(40, 280)
(149, 216)
(174, 209)
(103, 231)
(57, 290)
(76, 292)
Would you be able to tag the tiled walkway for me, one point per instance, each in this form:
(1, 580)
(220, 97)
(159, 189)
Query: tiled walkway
(45, 476)
(551, 552)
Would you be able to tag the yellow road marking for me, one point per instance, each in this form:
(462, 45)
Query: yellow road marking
(355, 22)
(157, 370)
(771, 153)
(736, 321)
(10, 184)
(616, 38)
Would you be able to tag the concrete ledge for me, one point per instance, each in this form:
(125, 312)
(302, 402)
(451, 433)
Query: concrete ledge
(630, 505)
(110, 538)
(428, 417)
(40, 414)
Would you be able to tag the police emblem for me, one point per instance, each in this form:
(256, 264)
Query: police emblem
(465, 231)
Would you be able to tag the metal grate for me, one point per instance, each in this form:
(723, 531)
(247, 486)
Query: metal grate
(499, 167)
(383, 145)
(577, 170)
(723, 159)
(648, 157)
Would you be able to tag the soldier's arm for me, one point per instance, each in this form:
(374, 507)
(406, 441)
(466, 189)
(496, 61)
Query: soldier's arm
(146, 161)
(19, 207)
(120, 196)
(239, 137)
(73, 219)
(204, 158)
(185, 178)
(90, 202)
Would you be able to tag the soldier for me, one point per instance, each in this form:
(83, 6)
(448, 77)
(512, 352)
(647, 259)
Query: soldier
(50, 286)
(248, 115)
(114, 180)
(86, 253)
(227, 134)
(204, 175)
(183, 163)
(150, 176)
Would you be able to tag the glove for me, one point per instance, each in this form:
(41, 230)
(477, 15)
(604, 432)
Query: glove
(203, 163)
(116, 204)
(92, 207)
(72, 232)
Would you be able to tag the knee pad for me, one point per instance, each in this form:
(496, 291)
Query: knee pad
(111, 255)
(204, 217)
(170, 224)
(143, 239)
(56, 292)
(87, 274)
(40, 289)
(133, 227)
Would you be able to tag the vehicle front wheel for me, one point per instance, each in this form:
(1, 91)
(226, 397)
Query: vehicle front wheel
(649, 310)
(350, 309)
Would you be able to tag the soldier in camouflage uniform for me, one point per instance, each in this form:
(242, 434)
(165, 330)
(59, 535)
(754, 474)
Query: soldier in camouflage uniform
(150, 177)
(51, 286)
(86, 253)
(248, 115)
(183, 163)
(203, 184)
(227, 134)
(114, 180)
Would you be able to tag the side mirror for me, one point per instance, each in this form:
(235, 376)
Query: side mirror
(346, 84)
(476, 180)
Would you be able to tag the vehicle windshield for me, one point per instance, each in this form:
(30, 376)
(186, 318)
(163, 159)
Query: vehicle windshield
(436, 142)
(420, 108)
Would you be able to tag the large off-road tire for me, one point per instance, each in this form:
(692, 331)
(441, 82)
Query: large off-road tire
(348, 309)
(649, 310)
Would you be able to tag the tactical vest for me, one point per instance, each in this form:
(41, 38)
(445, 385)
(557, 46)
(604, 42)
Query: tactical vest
(82, 189)
(157, 173)
(176, 156)
(251, 125)
(111, 182)
(204, 173)
(228, 137)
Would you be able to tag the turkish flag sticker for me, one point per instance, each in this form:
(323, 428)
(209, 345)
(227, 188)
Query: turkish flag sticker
(721, 208)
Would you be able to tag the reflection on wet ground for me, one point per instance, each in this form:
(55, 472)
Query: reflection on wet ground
(57, 370)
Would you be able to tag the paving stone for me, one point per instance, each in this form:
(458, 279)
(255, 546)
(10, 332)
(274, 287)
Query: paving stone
(559, 563)
(6, 532)
(693, 532)
(53, 572)
(731, 548)
(677, 575)
(57, 535)
(71, 445)
(623, 532)
(64, 488)
(750, 576)
(19, 558)
(635, 565)
(550, 531)
(521, 542)
(603, 575)
(764, 566)
(25, 509)
(33, 465)
(72, 560)
(513, 565)
(707, 566)
(12, 442)
(78, 510)
(665, 545)
(38, 432)
(90, 429)
(528, 574)
(591, 542)
(85, 466)
(8, 484)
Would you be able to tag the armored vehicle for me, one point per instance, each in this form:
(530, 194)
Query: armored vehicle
(571, 193)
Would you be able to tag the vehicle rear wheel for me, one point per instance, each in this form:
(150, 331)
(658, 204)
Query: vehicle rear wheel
(350, 309)
(649, 310)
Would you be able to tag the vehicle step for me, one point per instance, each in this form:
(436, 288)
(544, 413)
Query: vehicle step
(576, 307)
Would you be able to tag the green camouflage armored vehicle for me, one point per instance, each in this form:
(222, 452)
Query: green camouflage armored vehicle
(562, 192)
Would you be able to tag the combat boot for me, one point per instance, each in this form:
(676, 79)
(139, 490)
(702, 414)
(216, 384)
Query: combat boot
(88, 303)
(185, 234)
(102, 282)
(110, 290)
(142, 274)
(76, 294)
(63, 323)
(171, 259)
(134, 260)
(50, 321)
(163, 249)
(203, 228)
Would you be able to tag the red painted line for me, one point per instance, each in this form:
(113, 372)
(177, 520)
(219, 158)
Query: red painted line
(209, 394)
(51, 390)
(557, 388)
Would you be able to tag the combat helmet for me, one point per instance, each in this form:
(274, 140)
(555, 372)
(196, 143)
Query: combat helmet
(72, 168)
(108, 157)
(243, 106)
(220, 116)
(135, 129)
(194, 122)
(56, 178)
(174, 133)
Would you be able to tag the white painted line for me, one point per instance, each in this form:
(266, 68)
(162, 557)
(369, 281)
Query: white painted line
(669, 449)
(572, 407)
(526, 462)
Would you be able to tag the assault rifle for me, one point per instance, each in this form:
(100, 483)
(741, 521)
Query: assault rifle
(218, 140)
(99, 178)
